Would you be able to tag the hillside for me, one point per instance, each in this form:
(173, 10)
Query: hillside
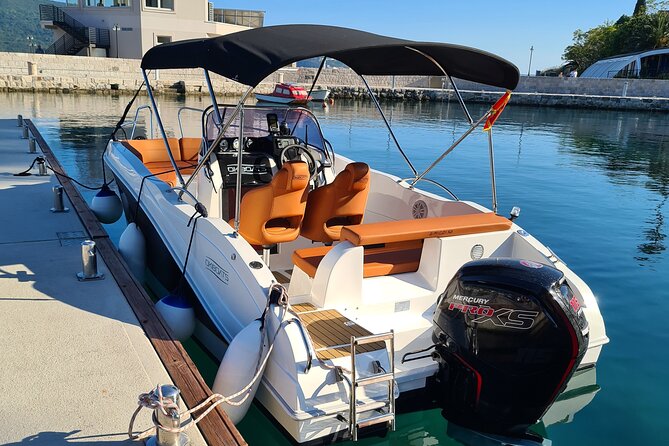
(18, 20)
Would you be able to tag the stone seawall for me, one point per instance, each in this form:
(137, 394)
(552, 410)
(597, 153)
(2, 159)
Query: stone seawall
(70, 74)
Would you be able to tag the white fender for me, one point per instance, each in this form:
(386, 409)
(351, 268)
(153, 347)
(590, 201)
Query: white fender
(106, 205)
(179, 315)
(238, 368)
(132, 247)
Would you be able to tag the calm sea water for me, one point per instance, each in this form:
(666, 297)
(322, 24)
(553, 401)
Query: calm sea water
(593, 185)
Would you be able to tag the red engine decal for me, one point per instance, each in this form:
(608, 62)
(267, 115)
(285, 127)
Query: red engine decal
(575, 304)
(501, 317)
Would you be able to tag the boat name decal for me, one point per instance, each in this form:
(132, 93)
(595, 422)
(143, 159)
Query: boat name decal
(216, 269)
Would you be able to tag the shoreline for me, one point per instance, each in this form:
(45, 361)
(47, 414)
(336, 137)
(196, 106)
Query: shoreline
(22, 72)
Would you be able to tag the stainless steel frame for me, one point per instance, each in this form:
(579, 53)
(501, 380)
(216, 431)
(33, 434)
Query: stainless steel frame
(134, 122)
(392, 134)
(214, 144)
(181, 129)
(238, 186)
(492, 171)
(162, 130)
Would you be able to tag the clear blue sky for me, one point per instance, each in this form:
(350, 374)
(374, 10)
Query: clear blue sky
(507, 28)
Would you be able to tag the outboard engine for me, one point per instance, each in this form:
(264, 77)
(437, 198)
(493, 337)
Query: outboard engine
(509, 334)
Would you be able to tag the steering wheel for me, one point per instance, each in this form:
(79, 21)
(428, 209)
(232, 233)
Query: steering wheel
(295, 152)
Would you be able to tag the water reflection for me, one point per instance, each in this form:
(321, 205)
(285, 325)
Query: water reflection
(592, 184)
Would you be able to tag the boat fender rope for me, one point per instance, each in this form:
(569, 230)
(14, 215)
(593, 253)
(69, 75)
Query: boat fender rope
(141, 189)
(153, 400)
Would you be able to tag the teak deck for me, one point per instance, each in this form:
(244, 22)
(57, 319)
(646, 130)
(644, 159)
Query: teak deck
(216, 428)
(331, 332)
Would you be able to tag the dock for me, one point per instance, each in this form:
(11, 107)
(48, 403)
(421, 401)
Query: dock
(76, 355)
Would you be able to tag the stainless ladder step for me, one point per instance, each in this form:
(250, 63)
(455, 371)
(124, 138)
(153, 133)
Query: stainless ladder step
(374, 379)
(387, 377)
(378, 419)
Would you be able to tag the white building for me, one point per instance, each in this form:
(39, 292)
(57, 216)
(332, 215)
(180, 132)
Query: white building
(128, 28)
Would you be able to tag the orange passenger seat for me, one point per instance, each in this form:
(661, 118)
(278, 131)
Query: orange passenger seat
(273, 213)
(338, 204)
(153, 155)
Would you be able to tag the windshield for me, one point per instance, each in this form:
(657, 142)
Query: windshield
(299, 121)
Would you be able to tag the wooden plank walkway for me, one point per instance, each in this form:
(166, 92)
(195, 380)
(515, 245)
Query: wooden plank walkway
(216, 428)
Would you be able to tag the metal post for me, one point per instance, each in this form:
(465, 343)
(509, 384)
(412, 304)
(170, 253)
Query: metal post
(167, 417)
(391, 398)
(41, 167)
(353, 417)
(25, 133)
(378, 107)
(19, 120)
(492, 171)
(212, 95)
(58, 205)
(162, 130)
(32, 147)
(238, 189)
(529, 67)
(89, 262)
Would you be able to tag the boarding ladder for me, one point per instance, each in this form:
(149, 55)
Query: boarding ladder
(387, 412)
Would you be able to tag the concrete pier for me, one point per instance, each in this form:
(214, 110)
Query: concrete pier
(74, 356)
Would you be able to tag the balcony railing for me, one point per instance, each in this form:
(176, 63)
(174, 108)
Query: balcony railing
(241, 17)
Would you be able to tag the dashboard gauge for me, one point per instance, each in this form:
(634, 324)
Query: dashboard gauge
(235, 144)
(223, 145)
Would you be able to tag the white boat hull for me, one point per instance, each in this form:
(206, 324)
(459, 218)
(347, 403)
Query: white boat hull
(307, 403)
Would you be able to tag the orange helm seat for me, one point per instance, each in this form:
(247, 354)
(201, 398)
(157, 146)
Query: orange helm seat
(340, 203)
(272, 213)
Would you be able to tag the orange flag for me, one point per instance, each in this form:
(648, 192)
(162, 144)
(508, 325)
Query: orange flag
(497, 110)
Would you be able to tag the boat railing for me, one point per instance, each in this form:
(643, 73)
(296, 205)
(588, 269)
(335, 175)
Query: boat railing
(134, 121)
(412, 181)
(185, 108)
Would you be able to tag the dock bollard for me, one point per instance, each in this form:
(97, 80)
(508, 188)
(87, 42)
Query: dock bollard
(170, 396)
(41, 167)
(32, 146)
(89, 262)
(19, 120)
(58, 205)
(25, 131)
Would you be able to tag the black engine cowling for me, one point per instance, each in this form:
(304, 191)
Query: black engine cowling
(509, 334)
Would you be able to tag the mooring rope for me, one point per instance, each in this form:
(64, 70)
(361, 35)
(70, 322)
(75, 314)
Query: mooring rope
(154, 400)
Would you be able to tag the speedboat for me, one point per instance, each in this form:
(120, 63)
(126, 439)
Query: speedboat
(367, 290)
(286, 94)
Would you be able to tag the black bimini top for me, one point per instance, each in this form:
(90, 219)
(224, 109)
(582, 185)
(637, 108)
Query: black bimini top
(250, 56)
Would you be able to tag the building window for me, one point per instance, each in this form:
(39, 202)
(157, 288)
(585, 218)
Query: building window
(108, 3)
(163, 39)
(162, 4)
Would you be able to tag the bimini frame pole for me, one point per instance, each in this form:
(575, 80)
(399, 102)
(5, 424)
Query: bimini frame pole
(453, 146)
(217, 141)
(162, 129)
(492, 171)
(392, 134)
(212, 95)
(318, 73)
(238, 186)
(450, 79)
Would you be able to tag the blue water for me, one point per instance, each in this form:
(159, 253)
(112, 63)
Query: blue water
(593, 185)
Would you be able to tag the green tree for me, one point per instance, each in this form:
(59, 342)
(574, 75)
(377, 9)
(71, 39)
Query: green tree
(639, 8)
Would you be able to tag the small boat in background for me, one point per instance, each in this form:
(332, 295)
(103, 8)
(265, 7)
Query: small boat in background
(319, 94)
(286, 94)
